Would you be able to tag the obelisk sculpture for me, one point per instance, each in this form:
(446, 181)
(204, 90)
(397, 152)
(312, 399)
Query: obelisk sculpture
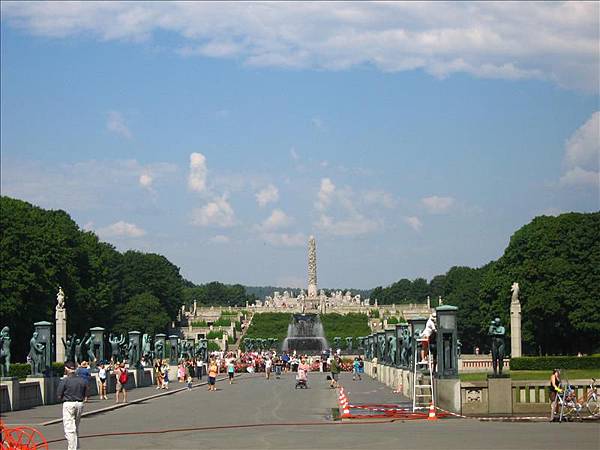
(312, 267)
(515, 322)
(61, 325)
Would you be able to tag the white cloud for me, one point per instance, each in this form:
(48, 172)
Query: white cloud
(414, 222)
(580, 177)
(82, 186)
(349, 226)
(115, 123)
(325, 194)
(582, 155)
(294, 154)
(216, 213)
(318, 123)
(484, 39)
(437, 205)
(583, 147)
(121, 229)
(198, 172)
(278, 219)
(220, 239)
(285, 239)
(267, 195)
(380, 198)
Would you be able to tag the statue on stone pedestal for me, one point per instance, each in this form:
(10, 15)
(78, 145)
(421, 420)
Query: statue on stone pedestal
(86, 348)
(77, 351)
(406, 352)
(515, 292)
(4, 352)
(133, 353)
(60, 299)
(392, 350)
(37, 354)
(497, 332)
(349, 341)
(115, 346)
(146, 347)
(69, 345)
(337, 342)
(159, 348)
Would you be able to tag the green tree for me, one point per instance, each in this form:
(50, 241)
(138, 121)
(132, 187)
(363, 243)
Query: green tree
(153, 273)
(144, 313)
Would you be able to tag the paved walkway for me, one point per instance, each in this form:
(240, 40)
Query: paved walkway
(254, 413)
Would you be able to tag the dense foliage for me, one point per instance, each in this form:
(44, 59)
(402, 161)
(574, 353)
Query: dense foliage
(269, 325)
(555, 362)
(555, 260)
(41, 250)
(218, 294)
(349, 325)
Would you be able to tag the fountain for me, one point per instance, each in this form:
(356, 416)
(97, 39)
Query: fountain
(305, 335)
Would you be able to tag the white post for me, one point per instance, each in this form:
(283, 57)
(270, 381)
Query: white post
(61, 326)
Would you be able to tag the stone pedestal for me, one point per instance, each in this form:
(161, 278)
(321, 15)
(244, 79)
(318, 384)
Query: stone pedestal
(515, 329)
(12, 385)
(48, 388)
(447, 393)
(499, 394)
(61, 333)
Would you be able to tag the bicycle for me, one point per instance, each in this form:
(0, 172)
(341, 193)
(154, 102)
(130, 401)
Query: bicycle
(591, 401)
(570, 408)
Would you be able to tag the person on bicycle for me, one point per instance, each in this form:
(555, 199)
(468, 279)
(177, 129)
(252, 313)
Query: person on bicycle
(555, 389)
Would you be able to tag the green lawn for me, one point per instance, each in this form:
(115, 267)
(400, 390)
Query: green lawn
(571, 374)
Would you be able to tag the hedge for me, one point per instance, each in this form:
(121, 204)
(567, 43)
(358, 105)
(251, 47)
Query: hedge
(554, 362)
(202, 323)
(213, 346)
(23, 370)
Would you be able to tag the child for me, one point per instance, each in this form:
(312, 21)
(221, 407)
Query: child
(165, 377)
(189, 382)
(231, 370)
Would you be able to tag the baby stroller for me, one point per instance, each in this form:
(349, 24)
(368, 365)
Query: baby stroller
(301, 379)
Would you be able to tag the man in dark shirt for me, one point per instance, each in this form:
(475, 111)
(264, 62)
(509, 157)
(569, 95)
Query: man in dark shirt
(72, 390)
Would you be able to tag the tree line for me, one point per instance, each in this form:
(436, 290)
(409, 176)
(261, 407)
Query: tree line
(41, 250)
(555, 260)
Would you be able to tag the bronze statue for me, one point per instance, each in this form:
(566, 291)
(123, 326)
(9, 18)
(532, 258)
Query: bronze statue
(4, 352)
(115, 346)
(37, 355)
(497, 332)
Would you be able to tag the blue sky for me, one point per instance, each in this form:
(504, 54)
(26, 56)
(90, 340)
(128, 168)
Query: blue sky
(407, 139)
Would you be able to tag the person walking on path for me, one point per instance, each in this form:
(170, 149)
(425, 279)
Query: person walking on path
(555, 389)
(213, 371)
(102, 375)
(231, 369)
(181, 372)
(83, 371)
(199, 364)
(165, 375)
(121, 375)
(335, 370)
(268, 365)
(356, 369)
(72, 390)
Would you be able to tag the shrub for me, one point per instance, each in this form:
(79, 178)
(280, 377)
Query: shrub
(392, 320)
(212, 346)
(20, 370)
(238, 327)
(230, 340)
(23, 370)
(214, 335)
(222, 322)
(554, 362)
(202, 323)
(349, 325)
(374, 313)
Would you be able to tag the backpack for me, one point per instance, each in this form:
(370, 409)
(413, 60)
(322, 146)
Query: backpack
(361, 364)
(123, 377)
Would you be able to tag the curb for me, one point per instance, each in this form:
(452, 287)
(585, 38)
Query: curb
(132, 402)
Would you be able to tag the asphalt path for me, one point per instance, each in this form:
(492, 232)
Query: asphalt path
(255, 413)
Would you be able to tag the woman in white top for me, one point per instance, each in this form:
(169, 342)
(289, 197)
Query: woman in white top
(429, 330)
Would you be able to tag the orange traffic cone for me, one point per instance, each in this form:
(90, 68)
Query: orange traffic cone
(432, 415)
